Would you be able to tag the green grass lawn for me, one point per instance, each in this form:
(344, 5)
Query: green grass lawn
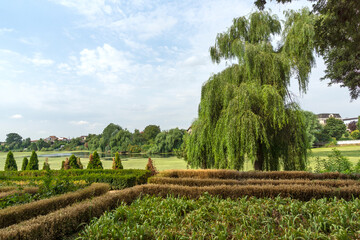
(136, 163)
(351, 152)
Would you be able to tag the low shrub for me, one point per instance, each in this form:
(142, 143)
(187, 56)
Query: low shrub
(214, 218)
(233, 174)
(30, 190)
(212, 182)
(16, 214)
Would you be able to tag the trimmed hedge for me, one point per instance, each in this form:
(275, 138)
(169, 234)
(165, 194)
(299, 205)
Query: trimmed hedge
(194, 182)
(233, 174)
(66, 221)
(19, 213)
(7, 189)
(118, 179)
(31, 190)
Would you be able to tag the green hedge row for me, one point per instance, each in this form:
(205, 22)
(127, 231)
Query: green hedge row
(233, 174)
(19, 213)
(71, 172)
(118, 179)
(30, 190)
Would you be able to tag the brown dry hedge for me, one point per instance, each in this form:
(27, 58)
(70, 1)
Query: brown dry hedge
(7, 189)
(19, 213)
(194, 182)
(233, 174)
(68, 220)
(31, 190)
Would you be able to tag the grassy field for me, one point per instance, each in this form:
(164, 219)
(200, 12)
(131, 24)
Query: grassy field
(136, 163)
(351, 152)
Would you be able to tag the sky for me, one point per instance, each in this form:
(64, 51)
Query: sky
(70, 67)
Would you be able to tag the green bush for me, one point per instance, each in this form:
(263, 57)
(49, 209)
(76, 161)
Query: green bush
(355, 134)
(10, 163)
(94, 161)
(34, 162)
(73, 163)
(24, 164)
(335, 162)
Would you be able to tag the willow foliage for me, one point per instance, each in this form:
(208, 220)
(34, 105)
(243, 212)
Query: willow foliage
(246, 111)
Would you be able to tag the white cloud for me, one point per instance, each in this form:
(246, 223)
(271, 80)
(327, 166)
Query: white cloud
(16, 116)
(81, 122)
(6, 30)
(38, 60)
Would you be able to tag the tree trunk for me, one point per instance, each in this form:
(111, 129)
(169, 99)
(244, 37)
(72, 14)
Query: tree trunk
(259, 161)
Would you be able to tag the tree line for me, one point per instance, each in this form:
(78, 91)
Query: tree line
(113, 139)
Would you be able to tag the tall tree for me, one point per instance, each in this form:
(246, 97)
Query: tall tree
(335, 127)
(34, 162)
(151, 131)
(10, 163)
(246, 110)
(337, 37)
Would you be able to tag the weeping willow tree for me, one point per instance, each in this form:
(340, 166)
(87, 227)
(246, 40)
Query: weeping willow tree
(246, 111)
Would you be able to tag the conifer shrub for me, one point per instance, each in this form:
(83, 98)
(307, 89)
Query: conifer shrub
(10, 163)
(151, 167)
(117, 162)
(73, 162)
(94, 161)
(34, 162)
(79, 163)
(46, 165)
(24, 163)
(65, 164)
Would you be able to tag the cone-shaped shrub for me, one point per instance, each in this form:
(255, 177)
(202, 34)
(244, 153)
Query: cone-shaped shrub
(24, 164)
(94, 161)
(34, 162)
(46, 165)
(117, 162)
(150, 166)
(73, 162)
(10, 164)
(79, 163)
(65, 164)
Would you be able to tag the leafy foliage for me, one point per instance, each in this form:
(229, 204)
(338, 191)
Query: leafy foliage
(73, 162)
(34, 162)
(355, 134)
(249, 218)
(336, 162)
(117, 162)
(46, 165)
(10, 163)
(246, 110)
(336, 39)
(24, 164)
(334, 127)
(94, 161)
(352, 126)
(151, 131)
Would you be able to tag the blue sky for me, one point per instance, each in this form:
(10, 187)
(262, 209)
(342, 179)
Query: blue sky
(71, 67)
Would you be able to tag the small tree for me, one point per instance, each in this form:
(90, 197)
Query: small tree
(46, 165)
(79, 163)
(335, 127)
(94, 161)
(355, 134)
(358, 123)
(34, 162)
(352, 126)
(24, 164)
(10, 164)
(73, 163)
(151, 167)
(117, 162)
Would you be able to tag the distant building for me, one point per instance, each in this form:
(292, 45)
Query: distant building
(63, 139)
(51, 139)
(322, 117)
(83, 138)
